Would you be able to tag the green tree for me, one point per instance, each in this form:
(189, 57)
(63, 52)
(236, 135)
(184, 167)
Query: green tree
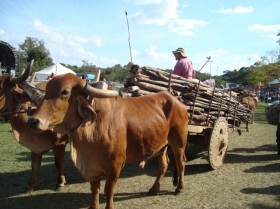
(273, 70)
(256, 76)
(35, 49)
(87, 67)
(116, 73)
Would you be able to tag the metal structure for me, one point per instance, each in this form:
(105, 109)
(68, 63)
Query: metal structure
(8, 56)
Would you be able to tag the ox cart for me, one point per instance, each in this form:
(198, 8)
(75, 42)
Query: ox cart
(213, 113)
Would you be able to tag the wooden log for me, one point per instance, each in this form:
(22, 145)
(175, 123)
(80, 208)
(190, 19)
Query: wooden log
(152, 87)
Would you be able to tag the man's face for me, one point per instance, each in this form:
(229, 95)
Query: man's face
(177, 56)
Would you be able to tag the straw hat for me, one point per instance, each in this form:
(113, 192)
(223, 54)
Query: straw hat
(181, 51)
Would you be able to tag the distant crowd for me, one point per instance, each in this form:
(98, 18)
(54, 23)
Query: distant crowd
(265, 94)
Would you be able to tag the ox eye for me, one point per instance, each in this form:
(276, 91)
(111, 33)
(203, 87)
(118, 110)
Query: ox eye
(65, 92)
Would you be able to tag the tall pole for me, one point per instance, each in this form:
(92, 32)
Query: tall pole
(210, 68)
(128, 36)
(208, 58)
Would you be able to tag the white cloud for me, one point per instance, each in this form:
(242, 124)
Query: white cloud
(219, 51)
(151, 53)
(2, 31)
(147, 2)
(151, 57)
(48, 33)
(158, 13)
(162, 12)
(236, 10)
(269, 31)
(273, 28)
(68, 47)
(183, 26)
(38, 26)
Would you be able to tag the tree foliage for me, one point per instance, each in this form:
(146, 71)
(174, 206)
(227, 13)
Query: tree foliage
(87, 67)
(116, 73)
(255, 76)
(35, 49)
(273, 70)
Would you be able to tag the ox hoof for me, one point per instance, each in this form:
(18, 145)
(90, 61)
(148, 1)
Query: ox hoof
(28, 189)
(58, 188)
(151, 192)
(178, 192)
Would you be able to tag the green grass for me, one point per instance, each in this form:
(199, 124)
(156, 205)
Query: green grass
(249, 177)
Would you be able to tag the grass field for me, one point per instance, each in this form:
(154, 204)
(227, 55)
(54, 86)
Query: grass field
(249, 177)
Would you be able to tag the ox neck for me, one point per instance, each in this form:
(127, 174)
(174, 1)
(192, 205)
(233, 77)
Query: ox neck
(77, 126)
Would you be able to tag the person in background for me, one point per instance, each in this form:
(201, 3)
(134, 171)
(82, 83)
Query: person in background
(9, 71)
(183, 66)
(278, 130)
(84, 77)
(52, 75)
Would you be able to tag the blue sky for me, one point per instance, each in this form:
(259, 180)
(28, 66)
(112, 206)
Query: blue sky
(234, 33)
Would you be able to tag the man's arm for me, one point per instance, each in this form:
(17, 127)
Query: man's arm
(177, 69)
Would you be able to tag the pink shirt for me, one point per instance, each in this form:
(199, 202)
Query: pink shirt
(184, 68)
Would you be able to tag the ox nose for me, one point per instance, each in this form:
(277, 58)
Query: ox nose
(33, 122)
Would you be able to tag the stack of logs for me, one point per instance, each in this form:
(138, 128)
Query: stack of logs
(204, 103)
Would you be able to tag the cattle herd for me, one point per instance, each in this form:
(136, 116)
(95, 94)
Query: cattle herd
(104, 130)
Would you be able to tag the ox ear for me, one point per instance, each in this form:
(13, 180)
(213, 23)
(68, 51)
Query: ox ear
(86, 111)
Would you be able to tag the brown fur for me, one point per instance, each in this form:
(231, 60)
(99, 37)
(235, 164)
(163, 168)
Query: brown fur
(251, 103)
(38, 143)
(114, 131)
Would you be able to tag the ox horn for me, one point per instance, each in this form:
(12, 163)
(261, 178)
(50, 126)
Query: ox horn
(100, 93)
(25, 75)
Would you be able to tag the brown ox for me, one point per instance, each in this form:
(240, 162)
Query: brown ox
(106, 131)
(251, 103)
(38, 143)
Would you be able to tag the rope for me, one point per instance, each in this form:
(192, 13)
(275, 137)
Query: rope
(29, 109)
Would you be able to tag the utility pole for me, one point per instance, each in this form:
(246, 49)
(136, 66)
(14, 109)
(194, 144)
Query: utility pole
(210, 68)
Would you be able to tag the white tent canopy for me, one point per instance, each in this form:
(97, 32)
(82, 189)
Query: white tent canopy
(275, 81)
(56, 69)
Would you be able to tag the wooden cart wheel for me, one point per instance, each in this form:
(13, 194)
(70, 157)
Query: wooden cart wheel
(218, 143)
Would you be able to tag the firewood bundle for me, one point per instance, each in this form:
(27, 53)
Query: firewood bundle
(204, 103)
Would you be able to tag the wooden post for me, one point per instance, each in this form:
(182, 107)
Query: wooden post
(21, 71)
(97, 75)
(32, 77)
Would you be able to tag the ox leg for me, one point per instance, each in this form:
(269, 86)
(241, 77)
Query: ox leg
(163, 161)
(59, 157)
(247, 127)
(180, 160)
(95, 190)
(110, 185)
(35, 165)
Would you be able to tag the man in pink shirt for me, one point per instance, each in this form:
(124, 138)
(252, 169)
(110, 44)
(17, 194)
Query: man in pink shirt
(184, 66)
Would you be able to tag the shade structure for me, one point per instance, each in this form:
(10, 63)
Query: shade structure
(56, 69)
